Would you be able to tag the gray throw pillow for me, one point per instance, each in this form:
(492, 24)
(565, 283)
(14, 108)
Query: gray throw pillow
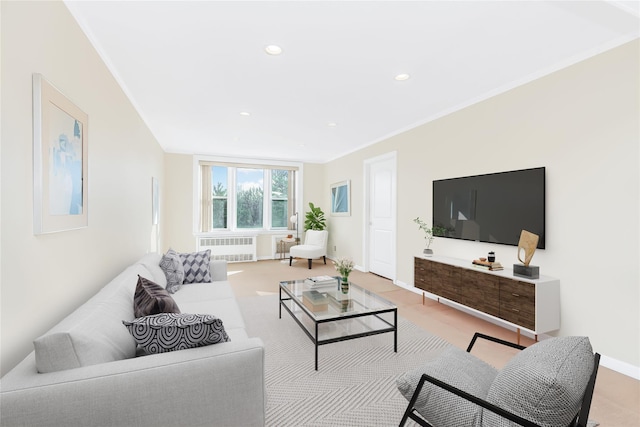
(196, 266)
(151, 298)
(543, 383)
(165, 332)
(171, 264)
(459, 369)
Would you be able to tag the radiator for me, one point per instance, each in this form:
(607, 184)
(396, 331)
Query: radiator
(230, 248)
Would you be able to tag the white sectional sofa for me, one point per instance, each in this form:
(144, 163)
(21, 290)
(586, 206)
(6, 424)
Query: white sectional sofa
(92, 376)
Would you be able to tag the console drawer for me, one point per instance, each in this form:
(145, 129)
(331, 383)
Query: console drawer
(518, 303)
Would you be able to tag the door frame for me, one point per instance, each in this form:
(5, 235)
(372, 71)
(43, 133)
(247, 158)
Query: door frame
(392, 155)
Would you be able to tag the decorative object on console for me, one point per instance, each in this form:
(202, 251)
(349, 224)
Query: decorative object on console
(487, 265)
(491, 257)
(528, 242)
(429, 234)
(344, 265)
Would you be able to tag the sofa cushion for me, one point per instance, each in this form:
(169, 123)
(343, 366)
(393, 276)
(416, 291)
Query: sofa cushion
(196, 266)
(459, 369)
(171, 265)
(150, 298)
(543, 383)
(165, 332)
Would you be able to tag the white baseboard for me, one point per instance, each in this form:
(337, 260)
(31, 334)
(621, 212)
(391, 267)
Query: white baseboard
(623, 368)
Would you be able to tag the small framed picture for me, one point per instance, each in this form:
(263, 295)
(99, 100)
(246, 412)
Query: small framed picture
(155, 200)
(341, 198)
(60, 161)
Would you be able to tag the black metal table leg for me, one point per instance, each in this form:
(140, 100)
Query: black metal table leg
(395, 332)
(316, 343)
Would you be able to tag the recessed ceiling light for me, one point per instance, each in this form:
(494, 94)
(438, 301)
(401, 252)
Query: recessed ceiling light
(273, 49)
(245, 113)
(332, 124)
(402, 77)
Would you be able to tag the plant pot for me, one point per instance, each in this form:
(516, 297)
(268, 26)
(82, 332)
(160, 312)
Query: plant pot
(428, 252)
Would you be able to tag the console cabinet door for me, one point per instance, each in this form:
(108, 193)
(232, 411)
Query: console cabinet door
(423, 275)
(480, 291)
(448, 279)
(518, 303)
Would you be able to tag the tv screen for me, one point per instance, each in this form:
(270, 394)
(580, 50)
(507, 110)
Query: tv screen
(492, 208)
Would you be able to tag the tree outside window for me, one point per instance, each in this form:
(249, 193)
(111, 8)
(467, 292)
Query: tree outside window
(279, 198)
(244, 197)
(250, 197)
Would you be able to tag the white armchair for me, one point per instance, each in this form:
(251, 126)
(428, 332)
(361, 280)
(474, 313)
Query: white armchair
(315, 246)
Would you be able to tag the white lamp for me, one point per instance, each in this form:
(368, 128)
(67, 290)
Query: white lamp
(294, 220)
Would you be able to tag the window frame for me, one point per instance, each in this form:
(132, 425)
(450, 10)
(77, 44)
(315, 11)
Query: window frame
(233, 164)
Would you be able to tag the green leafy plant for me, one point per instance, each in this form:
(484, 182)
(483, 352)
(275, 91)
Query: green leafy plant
(429, 232)
(314, 219)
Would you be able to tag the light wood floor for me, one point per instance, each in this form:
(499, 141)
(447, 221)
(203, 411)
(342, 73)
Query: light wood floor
(616, 400)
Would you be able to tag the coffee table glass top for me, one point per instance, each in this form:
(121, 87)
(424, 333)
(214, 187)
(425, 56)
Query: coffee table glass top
(329, 302)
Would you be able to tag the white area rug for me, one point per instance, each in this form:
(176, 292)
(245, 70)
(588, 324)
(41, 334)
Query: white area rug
(355, 383)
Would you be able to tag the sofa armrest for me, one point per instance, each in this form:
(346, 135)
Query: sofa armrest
(222, 384)
(218, 270)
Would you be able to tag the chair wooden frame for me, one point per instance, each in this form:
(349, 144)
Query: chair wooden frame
(580, 419)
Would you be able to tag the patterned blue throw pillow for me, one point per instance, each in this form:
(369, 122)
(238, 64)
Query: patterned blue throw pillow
(196, 266)
(165, 332)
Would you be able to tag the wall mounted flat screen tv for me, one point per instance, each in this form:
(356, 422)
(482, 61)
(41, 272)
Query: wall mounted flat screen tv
(492, 208)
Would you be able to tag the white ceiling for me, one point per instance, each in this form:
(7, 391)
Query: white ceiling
(190, 68)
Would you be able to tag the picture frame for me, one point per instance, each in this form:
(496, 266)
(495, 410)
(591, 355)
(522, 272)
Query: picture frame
(155, 200)
(60, 161)
(341, 198)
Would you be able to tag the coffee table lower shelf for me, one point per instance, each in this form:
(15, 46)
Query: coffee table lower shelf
(323, 330)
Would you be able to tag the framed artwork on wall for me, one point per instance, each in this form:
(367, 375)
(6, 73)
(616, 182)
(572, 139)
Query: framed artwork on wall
(60, 160)
(341, 198)
(155, 200)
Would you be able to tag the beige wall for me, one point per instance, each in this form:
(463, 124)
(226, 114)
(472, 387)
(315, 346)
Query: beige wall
(45, 277)
(582, 124)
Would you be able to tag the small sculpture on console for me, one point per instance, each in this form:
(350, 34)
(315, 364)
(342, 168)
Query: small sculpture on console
(528, 243)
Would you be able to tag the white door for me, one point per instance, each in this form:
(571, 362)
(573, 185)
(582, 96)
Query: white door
(381, 210)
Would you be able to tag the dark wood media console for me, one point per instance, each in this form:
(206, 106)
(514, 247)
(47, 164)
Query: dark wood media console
(533, 305)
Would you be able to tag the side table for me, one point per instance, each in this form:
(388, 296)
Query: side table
(283, 245)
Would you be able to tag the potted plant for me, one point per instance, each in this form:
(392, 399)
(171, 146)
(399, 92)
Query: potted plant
(430, 233)
(344, 265)
(314, 219)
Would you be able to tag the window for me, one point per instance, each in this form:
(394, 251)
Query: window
(237, 197)
(279, 198)
(219, 197)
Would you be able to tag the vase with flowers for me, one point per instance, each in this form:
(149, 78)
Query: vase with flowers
(344, 265)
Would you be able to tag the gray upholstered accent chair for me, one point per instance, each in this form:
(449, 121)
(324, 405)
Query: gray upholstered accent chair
(547, 384)
(315, 246)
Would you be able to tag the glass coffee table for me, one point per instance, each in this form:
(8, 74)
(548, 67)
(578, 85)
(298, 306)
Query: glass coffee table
(327, 315)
